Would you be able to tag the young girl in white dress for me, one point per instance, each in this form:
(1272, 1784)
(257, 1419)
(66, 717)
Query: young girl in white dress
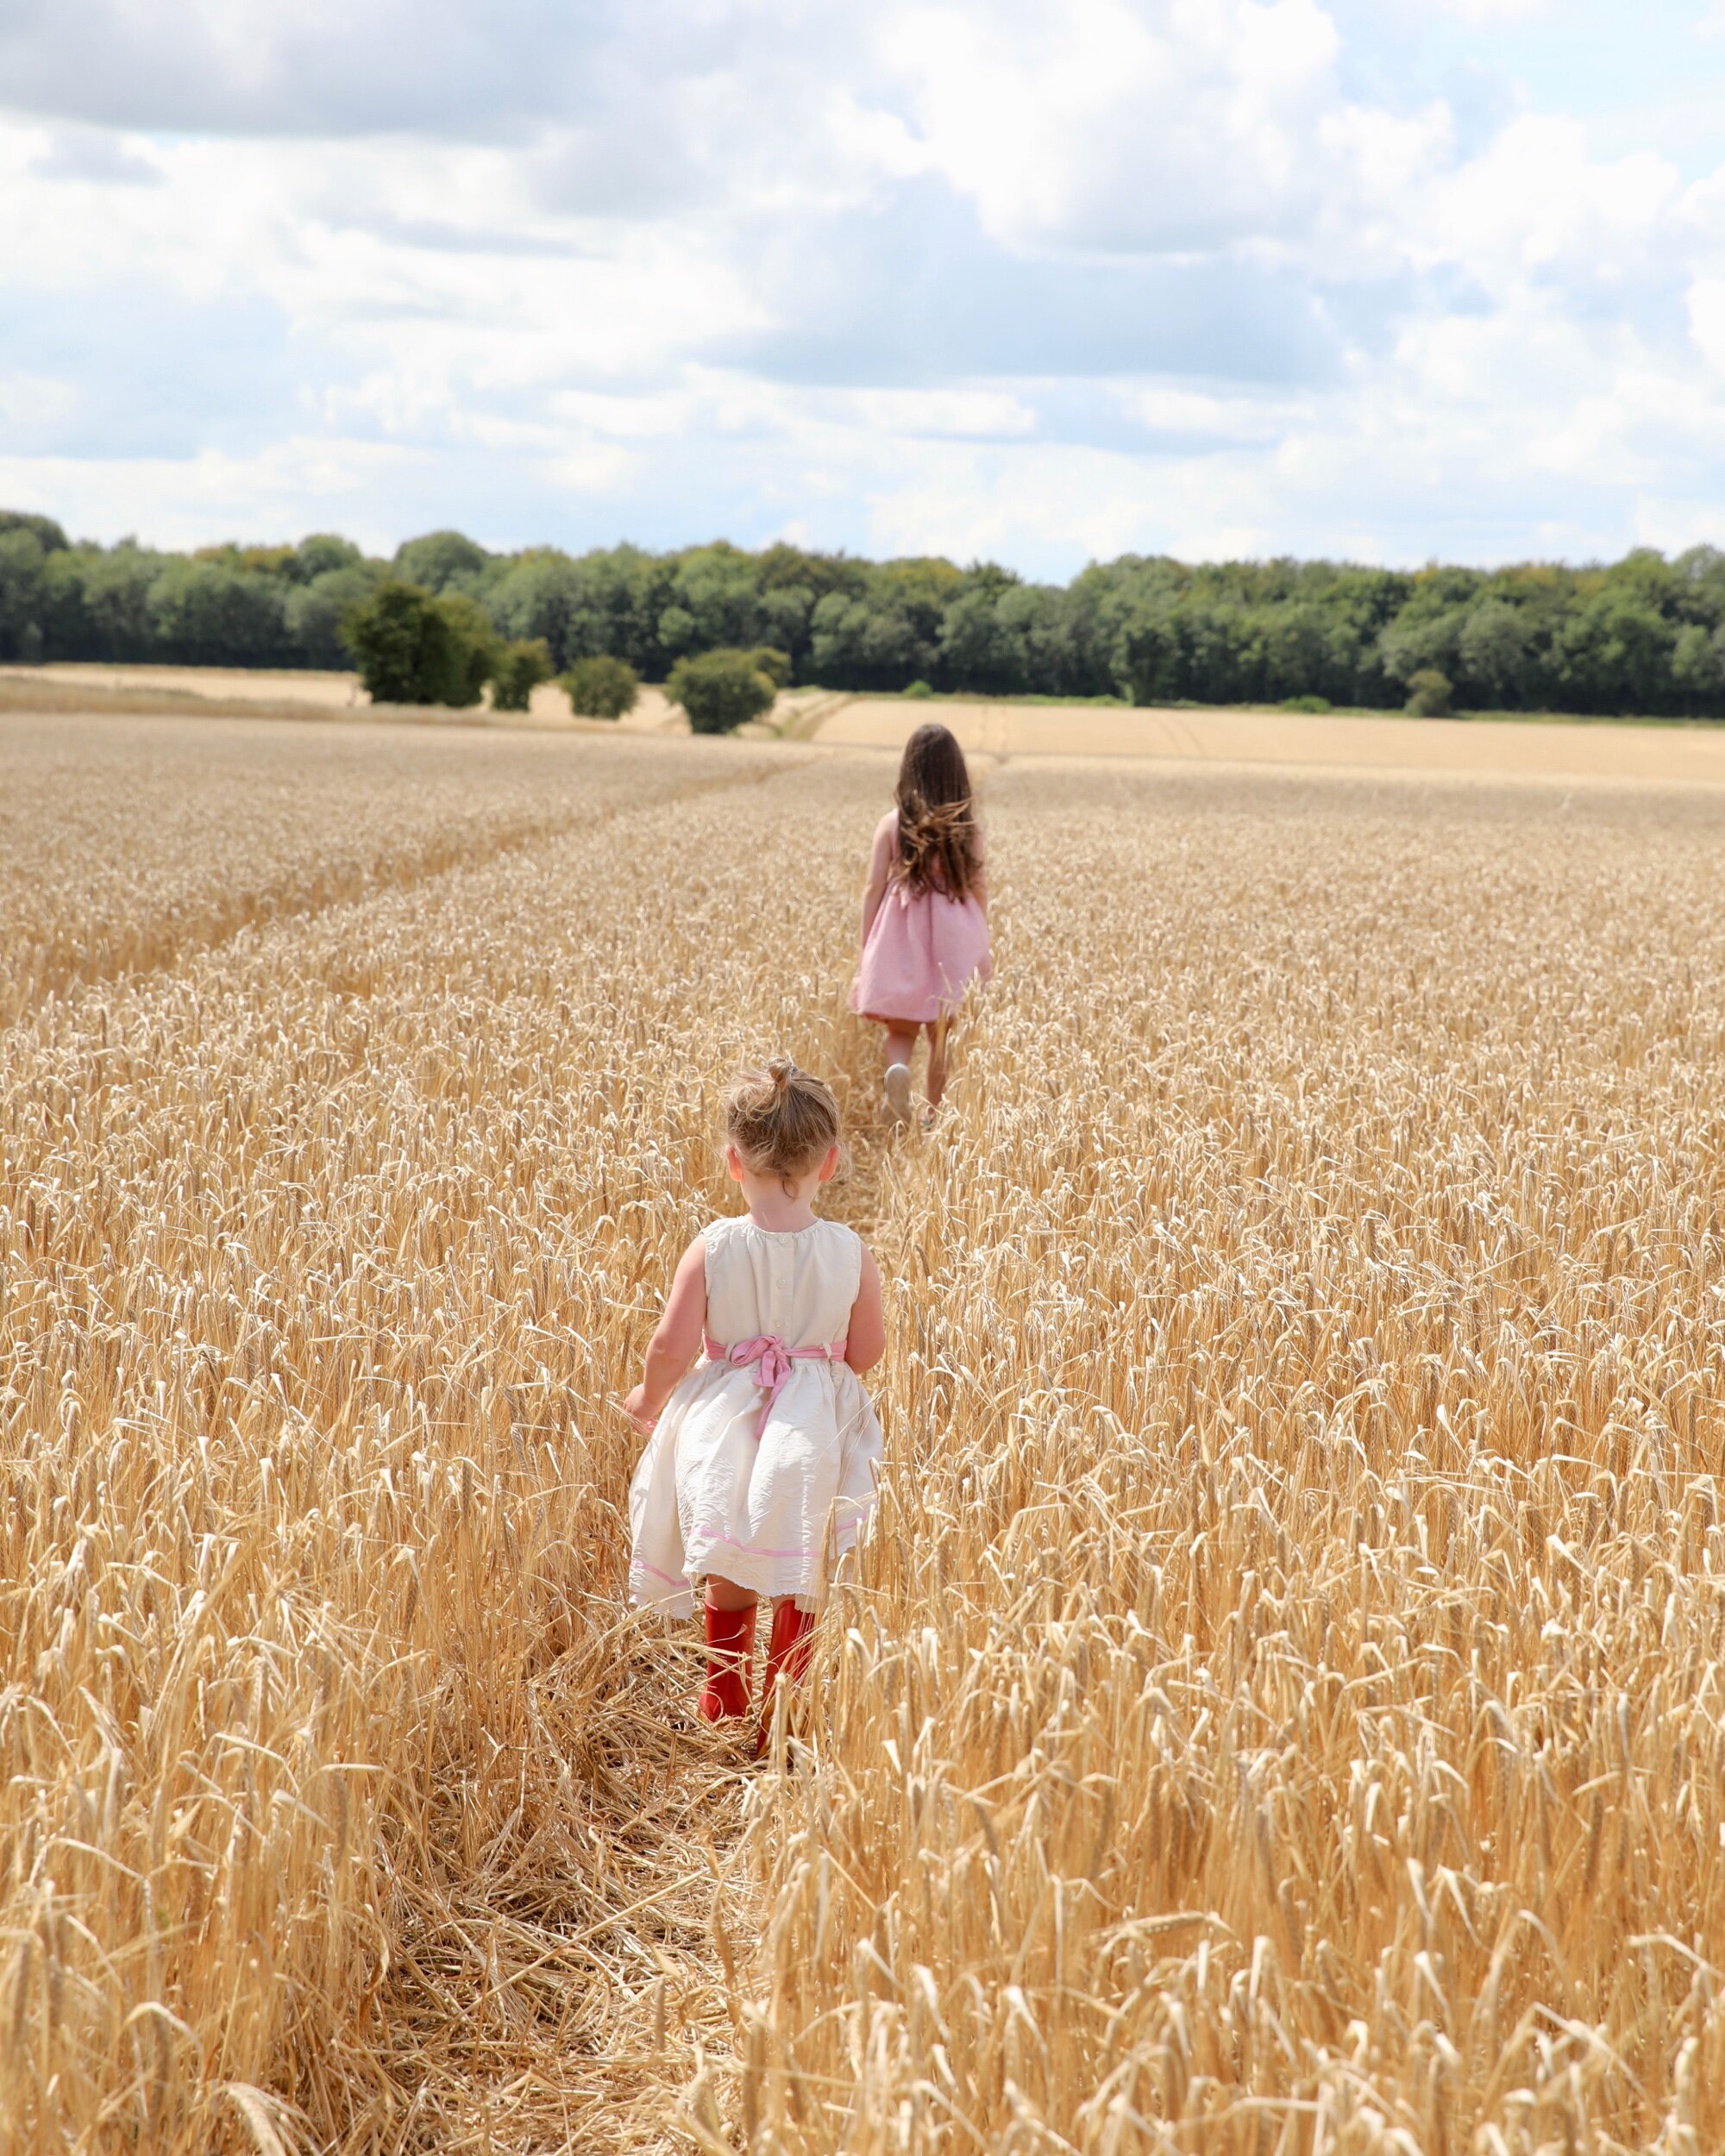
(762, 1457)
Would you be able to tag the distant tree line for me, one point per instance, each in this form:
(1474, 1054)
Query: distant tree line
(1642, 635)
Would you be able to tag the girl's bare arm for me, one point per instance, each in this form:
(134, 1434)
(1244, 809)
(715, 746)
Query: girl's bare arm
(677, 1341)
(880, 870)
(866, 1341)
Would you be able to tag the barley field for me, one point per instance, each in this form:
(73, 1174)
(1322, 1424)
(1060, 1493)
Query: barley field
(1671, 753)
(1281, 1707)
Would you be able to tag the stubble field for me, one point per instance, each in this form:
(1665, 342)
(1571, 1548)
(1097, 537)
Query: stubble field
(1280, 1706)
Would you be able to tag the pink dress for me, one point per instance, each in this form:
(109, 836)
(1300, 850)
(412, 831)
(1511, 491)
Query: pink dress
(923, 949)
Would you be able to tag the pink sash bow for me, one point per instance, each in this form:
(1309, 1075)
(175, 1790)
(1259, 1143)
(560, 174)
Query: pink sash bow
(773, 1361)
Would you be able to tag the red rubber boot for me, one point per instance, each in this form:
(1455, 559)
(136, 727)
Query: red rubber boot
(788, 1650)
(729, 1655)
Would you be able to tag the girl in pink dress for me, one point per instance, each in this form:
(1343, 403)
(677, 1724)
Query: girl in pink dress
(925, 914)
(761, 1456)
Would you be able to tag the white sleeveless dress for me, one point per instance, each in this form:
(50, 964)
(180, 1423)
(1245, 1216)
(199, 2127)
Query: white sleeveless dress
(762, 1465)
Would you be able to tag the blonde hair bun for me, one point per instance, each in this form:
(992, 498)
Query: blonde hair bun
(783, 1120)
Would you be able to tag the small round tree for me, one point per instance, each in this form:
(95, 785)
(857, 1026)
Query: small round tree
(720, 691)
(400, 643)
(602, 688)
(1428, 693)
(413, 649)
(518, 670)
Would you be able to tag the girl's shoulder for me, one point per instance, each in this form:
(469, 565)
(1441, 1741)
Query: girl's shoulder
(723, 1226)
(725, 1242)
(717, 1232)
(844, 1248)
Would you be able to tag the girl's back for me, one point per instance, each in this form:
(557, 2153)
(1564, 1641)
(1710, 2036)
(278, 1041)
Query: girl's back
(765, 1452)
(759, 1469)
(796, 1286)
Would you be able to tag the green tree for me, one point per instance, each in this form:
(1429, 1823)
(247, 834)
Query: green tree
(720, 691)
(1494, 649)
(1127, 607)
(679, 633)
(602, 687)
(202, 614)
(517, 671)
(715, 600)
(413, 647)
(114, 608)
(619, 594)
(870, 642)
(322, 552)
(1424, 638)
(793, 583)
(1217, 648)
(774, 664)
(1428, 693)
(539, 595)
(606, 602)
(314, 612)
(983, 645)
(48, 535)
(399, 642)
(1045, 625)
(21, 592)
(1147, 650)
(277, 561)
(1308, 651)
(440, 560)
(1613, 653)
(475, 649)
(1697, 667)
(1700, 572)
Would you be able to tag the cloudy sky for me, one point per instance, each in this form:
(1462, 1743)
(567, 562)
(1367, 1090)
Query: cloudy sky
(1388, 278)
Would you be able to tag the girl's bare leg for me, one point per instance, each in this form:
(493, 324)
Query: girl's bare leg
(900, 1041)
(727, 1595)
(937, 1060)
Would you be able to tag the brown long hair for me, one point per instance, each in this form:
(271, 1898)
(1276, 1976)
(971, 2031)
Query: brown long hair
(938, 848)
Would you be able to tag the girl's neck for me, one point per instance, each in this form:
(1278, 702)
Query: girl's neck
(778, 1211)
(780, 1214)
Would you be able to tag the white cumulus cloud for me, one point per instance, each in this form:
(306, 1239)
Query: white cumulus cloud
(976, 275)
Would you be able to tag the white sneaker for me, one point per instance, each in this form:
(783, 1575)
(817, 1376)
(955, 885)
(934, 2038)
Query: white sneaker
(897, 1102)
